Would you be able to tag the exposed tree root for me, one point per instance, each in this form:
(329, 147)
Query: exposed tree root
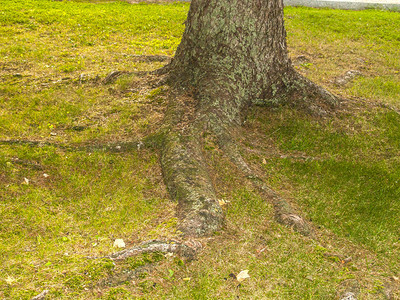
(187, 179)
(187, 250)
(186, 175)
(217, 108)
(315, 96)
(114, 76)
(284, 211)
(296, 90)
(111, 77)
(151, 58)
(109, 147)
(41, 296)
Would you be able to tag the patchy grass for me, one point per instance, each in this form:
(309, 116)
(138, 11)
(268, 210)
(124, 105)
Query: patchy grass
(344, 172)
(371, 49)
(73, 178)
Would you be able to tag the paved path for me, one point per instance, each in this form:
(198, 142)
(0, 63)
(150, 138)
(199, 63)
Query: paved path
(344, 4)
(347, 4)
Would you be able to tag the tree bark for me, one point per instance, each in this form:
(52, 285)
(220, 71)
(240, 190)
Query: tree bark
(233, 54)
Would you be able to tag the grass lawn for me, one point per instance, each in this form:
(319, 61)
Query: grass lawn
(79, 161)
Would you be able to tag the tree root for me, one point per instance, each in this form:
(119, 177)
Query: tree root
(287, 215)
(296, 90)
(109, 147)
(41, 296)
(151, 58)
(185, 172)
(187, 180)
(114, 75)
(313, 94)
(186, 175)
(284, 212)
(187, 250)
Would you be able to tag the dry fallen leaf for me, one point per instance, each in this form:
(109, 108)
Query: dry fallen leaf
(242, 275)
(10, 279)
(119, 243)
(222, 202)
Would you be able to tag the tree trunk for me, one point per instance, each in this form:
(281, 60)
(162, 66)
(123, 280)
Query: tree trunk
(233, 53)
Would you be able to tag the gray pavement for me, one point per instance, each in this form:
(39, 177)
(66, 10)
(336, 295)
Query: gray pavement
(347, 4)
(393, 5)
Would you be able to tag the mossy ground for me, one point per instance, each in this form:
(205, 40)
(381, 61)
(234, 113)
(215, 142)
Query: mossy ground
(75, 179)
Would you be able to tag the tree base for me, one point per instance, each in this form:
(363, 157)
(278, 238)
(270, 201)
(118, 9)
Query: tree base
(187, 177)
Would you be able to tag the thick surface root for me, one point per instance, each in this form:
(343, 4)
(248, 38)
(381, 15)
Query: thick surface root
(186, 250)
(218, 112)
(296, 90)
(285, 213)
(187, 180)
(315, 96)
(109, 147)
(186, 175)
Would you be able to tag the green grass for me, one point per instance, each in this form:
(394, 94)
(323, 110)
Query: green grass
(60, 120)
(371, 49)
(87, 200)
(377, 88)
(95, 192)
(344, 172)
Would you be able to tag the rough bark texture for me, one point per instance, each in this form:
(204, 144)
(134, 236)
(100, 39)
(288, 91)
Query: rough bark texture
(185, 250)
(233, 54)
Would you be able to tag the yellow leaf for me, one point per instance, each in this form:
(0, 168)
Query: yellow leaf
(222, 202)
(242, 275)
(10, 279)
(119, 243)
